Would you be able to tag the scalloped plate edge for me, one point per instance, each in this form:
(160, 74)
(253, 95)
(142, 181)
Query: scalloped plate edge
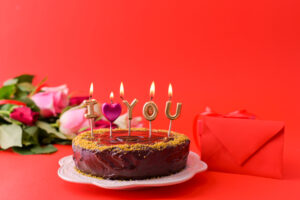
(194, 166)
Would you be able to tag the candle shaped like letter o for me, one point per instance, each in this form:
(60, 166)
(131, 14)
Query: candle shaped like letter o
(150, 111)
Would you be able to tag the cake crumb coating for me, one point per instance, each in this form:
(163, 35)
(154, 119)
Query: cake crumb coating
(83, 142)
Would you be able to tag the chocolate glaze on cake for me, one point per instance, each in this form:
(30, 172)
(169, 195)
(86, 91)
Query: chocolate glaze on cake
(135, 157)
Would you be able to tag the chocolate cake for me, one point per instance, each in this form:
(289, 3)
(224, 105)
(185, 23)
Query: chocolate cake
(126, 157)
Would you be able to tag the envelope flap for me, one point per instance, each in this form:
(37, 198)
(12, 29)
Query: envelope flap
(242, 137)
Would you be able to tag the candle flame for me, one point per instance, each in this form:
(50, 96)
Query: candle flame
(121, 90)
(152, 89)
(91, 89)
(170, 91)
(111, 96)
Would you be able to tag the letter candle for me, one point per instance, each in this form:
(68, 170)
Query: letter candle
(111, 111)
(150, 109)
(91, 115)
(168, 107)
(129, 107)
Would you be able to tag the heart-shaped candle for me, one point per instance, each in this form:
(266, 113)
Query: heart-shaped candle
(111, 111)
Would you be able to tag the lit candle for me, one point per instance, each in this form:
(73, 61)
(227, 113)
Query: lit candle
(111, 97)
(168, 107)
(91, 115)
(111, 111)
(150, 109)
(129, 107)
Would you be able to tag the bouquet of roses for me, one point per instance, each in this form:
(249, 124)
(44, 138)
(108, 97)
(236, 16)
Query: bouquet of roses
(33, 117)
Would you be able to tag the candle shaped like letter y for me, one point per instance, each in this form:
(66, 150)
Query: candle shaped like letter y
(129, 107)
(168, 107)
(111, 111)
(91, 115)
(150, 109)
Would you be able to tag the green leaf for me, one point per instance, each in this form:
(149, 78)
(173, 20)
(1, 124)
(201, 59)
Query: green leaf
(8, 107)
(10, 82)
(43, 149)
(4, 113)
(25, 78)
(83, 129)
(23, 150)
(20, 94)
(49, 129)
(30, 136)
(38, 85)
(29, 103)
(10, 135)
(23, 90)
(6, 118)
(7, 92)
(26, 87)
(64, 142)
(35, 149)
(48, 139)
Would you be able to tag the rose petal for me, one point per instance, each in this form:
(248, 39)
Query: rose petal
(73, 120)
(45, 101)
(62, 88)
(24, 115)
(60, 101)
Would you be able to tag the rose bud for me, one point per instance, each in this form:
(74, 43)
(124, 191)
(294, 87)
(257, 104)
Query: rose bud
(73, 120)
(24, 115)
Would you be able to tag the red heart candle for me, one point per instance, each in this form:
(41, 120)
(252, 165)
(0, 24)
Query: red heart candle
(111, 111)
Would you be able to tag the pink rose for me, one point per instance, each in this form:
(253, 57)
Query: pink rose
(52, 100)
(75, 101)
(24, 115)
(73, 120)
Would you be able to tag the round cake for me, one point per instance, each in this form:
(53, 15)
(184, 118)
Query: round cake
(126, 157)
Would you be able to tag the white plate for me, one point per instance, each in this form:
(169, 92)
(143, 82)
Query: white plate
(194, 165)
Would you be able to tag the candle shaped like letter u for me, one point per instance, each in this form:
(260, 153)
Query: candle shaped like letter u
(150, 109)
(168, 107)
(129, 107)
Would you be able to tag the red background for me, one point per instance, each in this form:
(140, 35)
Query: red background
(224, 54)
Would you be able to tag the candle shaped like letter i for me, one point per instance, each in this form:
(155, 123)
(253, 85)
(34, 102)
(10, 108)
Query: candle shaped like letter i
(129, 107)
(150, 109)
(91, 115)
(111, 111)
(168, 107)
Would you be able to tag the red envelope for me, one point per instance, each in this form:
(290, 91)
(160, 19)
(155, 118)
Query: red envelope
(244, 146)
